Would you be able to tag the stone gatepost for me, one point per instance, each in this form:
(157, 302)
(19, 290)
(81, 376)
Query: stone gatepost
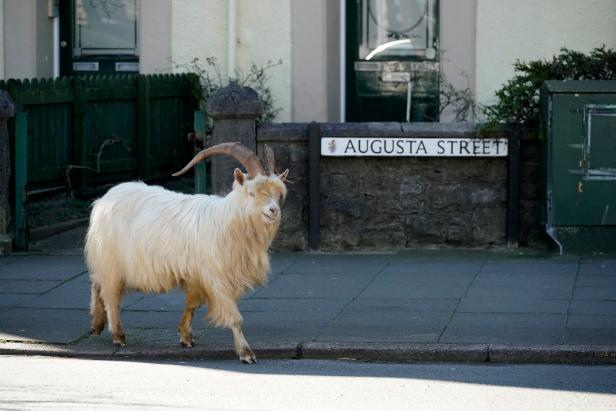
(7, 110)
(234, 110)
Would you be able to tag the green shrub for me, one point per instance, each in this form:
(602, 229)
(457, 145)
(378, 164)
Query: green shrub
(518, 99)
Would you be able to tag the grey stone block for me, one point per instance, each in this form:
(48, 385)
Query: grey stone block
(591, 336)
(594, 293)
(507, 335)
(411, 304)
(385, 322)
(513, 305)
(522, 291)
(42, 267)
(382, 288)
(26, 286)
(597, 267)
(295, 305)
(446, 270)
(592, 307)
(582, 321)
(15, 300)
(345, 286)
(508, 320)
(532, 266)
(539, 281)
(45, 325)
(337, 264)
(596, 281)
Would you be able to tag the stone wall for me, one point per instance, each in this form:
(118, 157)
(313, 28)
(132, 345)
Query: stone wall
(391, 203)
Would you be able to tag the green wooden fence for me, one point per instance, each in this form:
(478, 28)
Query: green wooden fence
(81, 133)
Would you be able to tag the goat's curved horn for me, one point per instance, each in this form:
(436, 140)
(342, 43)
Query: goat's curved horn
(238, 151)
(270, 163)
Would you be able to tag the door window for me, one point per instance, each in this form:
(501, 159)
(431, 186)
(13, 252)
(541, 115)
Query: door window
(397, 28)
(105, 27)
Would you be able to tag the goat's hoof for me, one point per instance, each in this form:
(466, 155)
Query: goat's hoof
(188, 344)
(248, 357)
(96, 330)
(119, 341)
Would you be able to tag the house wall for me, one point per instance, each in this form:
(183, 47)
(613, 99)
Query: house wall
(457, 42)
(155, 24)
(20, 49)
(28, 39)
(530, 29)
(2, 39)
(199, 30)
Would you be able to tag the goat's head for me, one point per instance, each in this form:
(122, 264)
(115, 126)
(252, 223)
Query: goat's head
(261, 189)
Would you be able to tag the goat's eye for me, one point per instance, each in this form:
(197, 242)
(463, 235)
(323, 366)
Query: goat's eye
(250, 193)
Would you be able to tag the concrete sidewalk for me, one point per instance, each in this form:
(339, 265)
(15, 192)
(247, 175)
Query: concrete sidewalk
(446, 305)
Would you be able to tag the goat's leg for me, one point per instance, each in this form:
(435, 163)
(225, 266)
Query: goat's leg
(193, 301)
(247, 356)
(223, 311)
(97, 311)
(112, 296)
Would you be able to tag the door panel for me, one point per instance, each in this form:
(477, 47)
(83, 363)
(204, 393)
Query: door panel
(392, 60)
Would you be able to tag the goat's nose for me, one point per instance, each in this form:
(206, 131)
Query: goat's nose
(274, 210)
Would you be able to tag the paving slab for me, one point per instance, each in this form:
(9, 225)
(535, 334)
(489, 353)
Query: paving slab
(44, 325)
(42, 267)
(277, 327)
(415, 305)
(360, 264)
(555, 266)
(505, 328)
(296, 305)
(27, 286)
(594, 293)
(320, 285)
(502, 335)
(15, 300)
(385, 321)
(450, 269)
(385, 287)
(591, 336)
(521, 291)
(488, 304)
(597, 267)
(73, 294)
(593, 307)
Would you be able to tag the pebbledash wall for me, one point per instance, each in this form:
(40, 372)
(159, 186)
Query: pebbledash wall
(390, 203)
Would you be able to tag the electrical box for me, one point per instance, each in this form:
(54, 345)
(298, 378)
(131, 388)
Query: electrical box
(579, 142)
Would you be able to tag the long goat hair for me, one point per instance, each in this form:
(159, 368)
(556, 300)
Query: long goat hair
(150, 239)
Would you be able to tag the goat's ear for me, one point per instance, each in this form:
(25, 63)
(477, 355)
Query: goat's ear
(239, 176)
(284, 175)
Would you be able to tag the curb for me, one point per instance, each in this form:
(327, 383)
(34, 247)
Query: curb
(377, 352)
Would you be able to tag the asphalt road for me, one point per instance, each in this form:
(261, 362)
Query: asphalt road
(61, 383)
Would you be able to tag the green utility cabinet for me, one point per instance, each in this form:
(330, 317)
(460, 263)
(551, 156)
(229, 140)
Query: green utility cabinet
(580, 165)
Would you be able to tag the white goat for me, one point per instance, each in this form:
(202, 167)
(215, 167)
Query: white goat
(150, 239)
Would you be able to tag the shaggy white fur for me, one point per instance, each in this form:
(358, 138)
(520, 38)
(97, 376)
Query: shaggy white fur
(150, 239)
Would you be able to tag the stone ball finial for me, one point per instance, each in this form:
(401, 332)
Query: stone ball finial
(234, 101)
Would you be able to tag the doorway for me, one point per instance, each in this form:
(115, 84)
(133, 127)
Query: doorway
(99, 36)
(392, 60)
